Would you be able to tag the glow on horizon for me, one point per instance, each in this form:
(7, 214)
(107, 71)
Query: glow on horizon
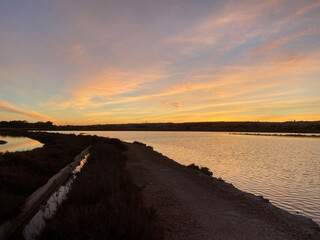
(81, 62)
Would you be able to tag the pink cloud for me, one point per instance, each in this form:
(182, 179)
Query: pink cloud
(281, 41)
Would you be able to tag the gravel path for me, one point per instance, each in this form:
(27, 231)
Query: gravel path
(191, 205)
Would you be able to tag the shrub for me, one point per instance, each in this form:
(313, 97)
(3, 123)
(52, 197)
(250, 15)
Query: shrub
(204, 170)
(193, 166)
(142, 144)
(118, 144)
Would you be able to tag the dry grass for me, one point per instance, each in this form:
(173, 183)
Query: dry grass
(204, 170)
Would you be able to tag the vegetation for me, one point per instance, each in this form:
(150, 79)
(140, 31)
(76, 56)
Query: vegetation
(204, 170)
(25, 124)
(263, 199)
(220, 179)
(103, 203)
(142, 144)
(21, 173)
(116, 143)
(291, 126)
(2, 142)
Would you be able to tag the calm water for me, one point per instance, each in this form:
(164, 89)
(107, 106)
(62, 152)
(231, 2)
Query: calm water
(15, 144)
(285, 170)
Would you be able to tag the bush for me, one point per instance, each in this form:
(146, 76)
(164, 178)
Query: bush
(118, 144)
(142, 144)
(204, 170)
(193, 166)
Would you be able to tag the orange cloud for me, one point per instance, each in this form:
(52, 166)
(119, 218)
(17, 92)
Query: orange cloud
(7, 107)
(218, 91)
(99, 87)
(235, 81)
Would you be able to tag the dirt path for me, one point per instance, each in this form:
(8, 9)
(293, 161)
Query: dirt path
(191, 205)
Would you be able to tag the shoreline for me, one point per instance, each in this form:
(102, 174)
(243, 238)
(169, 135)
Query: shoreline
(274, 134)
(168, 130)
(192, 205)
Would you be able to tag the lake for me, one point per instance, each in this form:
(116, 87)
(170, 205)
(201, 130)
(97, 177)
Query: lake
(15, 144)
(285, 170)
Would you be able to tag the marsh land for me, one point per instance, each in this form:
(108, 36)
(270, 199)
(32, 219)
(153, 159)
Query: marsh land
(130, 191)
(103, 194)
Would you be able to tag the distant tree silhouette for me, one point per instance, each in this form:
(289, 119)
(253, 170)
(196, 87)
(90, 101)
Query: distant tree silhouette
(290, 126)
(25, 124)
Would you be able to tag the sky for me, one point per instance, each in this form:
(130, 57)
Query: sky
(137, 61)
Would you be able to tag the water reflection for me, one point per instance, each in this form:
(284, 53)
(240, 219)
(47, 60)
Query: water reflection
(282, 169)
(15, 144)
(47, 211)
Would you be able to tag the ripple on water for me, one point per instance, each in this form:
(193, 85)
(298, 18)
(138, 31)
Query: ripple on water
(283, 169)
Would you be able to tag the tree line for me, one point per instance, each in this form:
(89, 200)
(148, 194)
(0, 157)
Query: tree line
(25, 124)
(290, 126)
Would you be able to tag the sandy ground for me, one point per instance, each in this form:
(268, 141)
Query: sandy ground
(191, 205)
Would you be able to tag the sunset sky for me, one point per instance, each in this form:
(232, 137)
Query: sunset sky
(132, 61)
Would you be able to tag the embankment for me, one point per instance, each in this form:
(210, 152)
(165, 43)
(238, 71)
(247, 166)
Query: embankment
(192, 205)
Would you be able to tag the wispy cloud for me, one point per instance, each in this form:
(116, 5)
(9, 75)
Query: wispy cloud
(97, 87)
(218, 91)
(235, 81)
(241, 22)
(265, 49)
(121, 61)
(7, 107)
(230, 27)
